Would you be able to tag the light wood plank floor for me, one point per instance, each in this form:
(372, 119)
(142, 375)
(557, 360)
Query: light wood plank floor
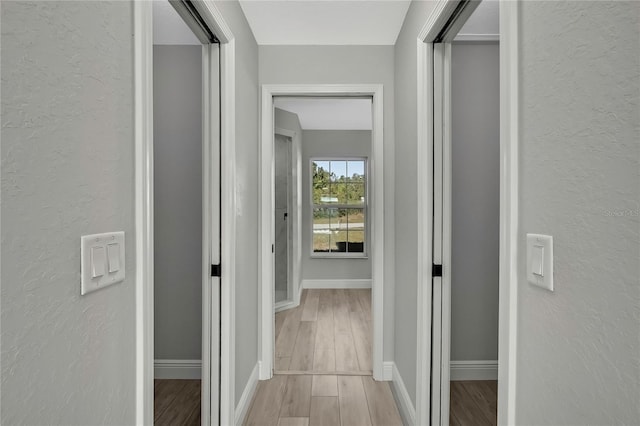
(176, 402)
(330, 332)
(474, 403)
(328, 400)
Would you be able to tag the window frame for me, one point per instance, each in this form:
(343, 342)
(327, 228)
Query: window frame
(365, 207)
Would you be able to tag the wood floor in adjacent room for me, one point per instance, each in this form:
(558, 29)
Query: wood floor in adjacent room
(330, 331)
(474, 403)
(176, 402)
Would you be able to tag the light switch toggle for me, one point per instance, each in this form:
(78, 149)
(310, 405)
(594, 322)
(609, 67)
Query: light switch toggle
(540, 260)
(97, 261)
(113, 254)
(537, 259)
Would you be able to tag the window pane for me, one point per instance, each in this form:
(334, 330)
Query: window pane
(356, 230)
(348, 193)
(355, 193)
(355, 170)
(340, 234)
(324, 228)
(350, 235)
(321, 182)
(338, 171)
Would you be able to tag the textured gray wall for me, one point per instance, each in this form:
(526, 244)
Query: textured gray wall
(579, 347)
(329, 143)
(406, 226)
(247, 193)
(347, 64)
(177, 154)
(67, 170)
(475, 140)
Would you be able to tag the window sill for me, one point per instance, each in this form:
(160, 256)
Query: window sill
(339, 256)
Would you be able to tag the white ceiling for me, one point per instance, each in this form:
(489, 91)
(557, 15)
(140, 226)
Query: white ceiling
(168, 26)
(329, 114)
(325, 22)
(320, 22)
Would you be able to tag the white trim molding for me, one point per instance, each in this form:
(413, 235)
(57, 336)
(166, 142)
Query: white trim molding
(247, 395)
(388, 371)
(143, 86)
(355, 283)
(509, 175)
(474, 370)
(405, 406)
(228, 234)
(266, 211)
(177, 369)
(425, 232)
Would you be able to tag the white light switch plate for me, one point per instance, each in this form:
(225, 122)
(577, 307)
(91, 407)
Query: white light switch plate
(540, 260)
(101, 254)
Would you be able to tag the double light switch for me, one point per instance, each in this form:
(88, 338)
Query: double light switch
(102, 258)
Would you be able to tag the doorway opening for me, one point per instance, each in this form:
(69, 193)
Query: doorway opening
(321, 184)
(186, 215)
(462, 103)
(324, 232)
(322, 354)
(218, 208)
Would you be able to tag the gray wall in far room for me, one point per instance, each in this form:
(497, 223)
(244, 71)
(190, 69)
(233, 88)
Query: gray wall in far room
(177, 133)
(329, 143)
(475, 139)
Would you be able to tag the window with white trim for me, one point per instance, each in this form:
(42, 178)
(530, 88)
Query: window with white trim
(339, 206)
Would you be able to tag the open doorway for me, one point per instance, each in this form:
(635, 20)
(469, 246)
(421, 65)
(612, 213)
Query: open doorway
(186, 219)
(475, 213)
(463, 68)
(321, 359)
(332, 151)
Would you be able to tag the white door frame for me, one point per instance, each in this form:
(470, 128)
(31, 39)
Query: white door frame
(218, 399)
(266, 213)
(430, 94)
(295, 281)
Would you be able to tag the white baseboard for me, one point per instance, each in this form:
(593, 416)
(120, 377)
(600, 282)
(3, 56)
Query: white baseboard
(177, 369)
(299, 295)
(247, 395)
(336, 283)
(474, 370)
(407, 410)
(387, 370)
(283, 306)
